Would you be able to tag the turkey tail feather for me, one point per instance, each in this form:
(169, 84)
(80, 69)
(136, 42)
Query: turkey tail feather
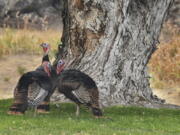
(21, 91)
(20, 100)
(20, 94)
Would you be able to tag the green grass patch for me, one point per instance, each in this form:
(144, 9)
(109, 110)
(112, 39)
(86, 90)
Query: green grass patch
(118, 121)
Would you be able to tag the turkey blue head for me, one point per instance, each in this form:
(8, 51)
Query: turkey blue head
(47, 67)
(46, 48)
(60, 66)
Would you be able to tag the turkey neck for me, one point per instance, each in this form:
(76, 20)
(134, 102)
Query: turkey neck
(45, 58)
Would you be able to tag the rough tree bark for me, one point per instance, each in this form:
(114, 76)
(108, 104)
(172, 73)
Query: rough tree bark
(112, 41)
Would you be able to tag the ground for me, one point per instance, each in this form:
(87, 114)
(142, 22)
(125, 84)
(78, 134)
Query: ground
(117, 120)
(171, 96)
(12, 66)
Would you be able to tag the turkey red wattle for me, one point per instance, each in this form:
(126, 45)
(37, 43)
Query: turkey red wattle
(47, 67)
(60, 69)
(45, 50)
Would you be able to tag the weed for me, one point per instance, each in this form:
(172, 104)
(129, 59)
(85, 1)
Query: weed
(7, 79)
(21, 70)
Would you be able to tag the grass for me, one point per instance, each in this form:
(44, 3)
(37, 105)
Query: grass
(6, 79)
(15, 41)
(21, 70)
(119, 121)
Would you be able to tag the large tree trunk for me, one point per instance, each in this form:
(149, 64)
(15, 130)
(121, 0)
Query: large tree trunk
(112, 41)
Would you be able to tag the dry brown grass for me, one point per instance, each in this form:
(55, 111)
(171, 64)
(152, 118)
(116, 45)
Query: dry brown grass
(12, 67)
(18, 49)
(165, 62)
(15, 41)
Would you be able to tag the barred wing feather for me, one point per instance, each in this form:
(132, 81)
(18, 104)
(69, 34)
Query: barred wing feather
(82, 94)
(36, 95)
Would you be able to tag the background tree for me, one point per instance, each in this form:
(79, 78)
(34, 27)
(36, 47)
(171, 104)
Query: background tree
(112, 41)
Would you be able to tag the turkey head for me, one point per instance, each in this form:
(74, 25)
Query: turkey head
(46, 48)
(60, 66)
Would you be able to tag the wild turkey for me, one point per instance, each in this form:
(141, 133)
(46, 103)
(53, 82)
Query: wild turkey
(21, 98)
(33, 86)
(44, 107)
(78, 87)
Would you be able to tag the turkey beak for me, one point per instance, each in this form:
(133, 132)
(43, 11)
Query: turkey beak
(45, 49)
(41, 45)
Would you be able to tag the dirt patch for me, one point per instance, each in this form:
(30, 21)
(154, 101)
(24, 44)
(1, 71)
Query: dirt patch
(172, 96)
(11, 68)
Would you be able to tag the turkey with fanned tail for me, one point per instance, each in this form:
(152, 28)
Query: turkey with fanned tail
(33, 87)
(21, 98)
(78, 87)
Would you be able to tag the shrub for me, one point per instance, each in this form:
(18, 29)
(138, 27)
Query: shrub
(165, 62)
